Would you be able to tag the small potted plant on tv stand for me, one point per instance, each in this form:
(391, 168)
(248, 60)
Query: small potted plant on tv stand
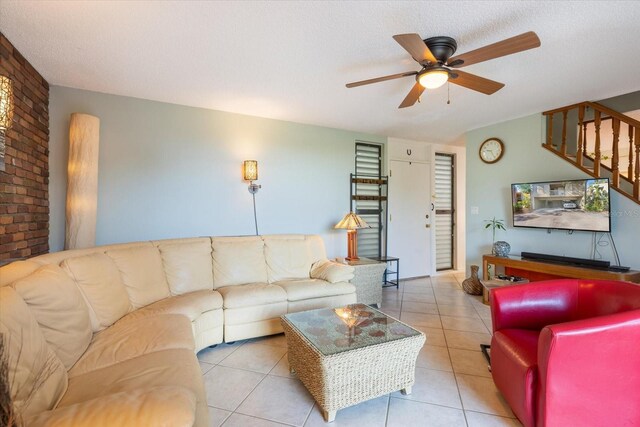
(499, 248)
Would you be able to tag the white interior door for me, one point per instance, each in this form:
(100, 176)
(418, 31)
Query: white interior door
(409, 207)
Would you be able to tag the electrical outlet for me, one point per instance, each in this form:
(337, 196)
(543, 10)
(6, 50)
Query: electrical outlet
(475, 210)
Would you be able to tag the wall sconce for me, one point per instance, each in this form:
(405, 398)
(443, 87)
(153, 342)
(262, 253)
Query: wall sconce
(6, 112)
(250, 173)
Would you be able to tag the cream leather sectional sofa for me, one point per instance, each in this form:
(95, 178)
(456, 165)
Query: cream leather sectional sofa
(109, 335)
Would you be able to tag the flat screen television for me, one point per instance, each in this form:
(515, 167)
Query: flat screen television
(580, 205)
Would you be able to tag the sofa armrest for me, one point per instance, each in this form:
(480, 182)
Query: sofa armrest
(171, 406)
(533, 305)
(590, 360)
(332, 272)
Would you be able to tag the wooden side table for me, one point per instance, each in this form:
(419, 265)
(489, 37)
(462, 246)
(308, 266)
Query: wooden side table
(487, 285)
(542, 270)
(368, 280)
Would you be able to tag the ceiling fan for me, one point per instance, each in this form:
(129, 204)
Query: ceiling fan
(438, 66)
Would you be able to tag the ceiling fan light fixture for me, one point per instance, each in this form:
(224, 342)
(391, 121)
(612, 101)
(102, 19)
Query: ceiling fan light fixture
(433, 79)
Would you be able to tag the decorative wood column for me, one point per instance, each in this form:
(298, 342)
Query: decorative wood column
(82, 181)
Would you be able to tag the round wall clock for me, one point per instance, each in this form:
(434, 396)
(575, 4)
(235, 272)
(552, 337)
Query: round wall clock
(491, 150)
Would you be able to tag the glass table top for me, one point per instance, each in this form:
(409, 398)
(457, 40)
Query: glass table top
(350, 327)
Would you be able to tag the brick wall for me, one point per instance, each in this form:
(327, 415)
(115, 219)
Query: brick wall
(24, 194)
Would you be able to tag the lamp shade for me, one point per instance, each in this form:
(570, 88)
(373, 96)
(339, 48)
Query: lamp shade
(6, 102)
(250, 170)
(433, 79)
(351, 221)
(82, 181)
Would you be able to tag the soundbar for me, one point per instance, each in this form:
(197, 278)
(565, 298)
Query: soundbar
(582, 262)
(619, 268)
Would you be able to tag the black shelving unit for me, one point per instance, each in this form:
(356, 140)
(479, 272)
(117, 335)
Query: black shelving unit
(380, 210)
(390, 271)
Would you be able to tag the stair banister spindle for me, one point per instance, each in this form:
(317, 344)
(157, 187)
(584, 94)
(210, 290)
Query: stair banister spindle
(630, 168)
(636, 178)
(585, 150)
(550, 130)
(563, 145)
(597, 156)
(581, 136)
(615, 168)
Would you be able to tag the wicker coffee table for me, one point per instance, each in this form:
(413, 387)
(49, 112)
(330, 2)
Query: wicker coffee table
(350, 354)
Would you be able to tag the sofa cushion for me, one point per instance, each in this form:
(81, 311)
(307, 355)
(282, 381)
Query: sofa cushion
(332, 272)
(251, 295)
(16, 270)
(191, 305)
(153, 406)
(208, 329)
(254, 314)
(315, 242)
(178, 367)
(287, 259)
(322, 302)
(316, 247)
(63, 315)
(37, 377)
(128, 340)
(142, 274)
(101, 285)
(58, 257)
(188, 265)
(238, 261)
(314, 288)
(515, 351)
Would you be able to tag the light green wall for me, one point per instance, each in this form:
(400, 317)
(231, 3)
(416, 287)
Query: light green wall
(489, 189)
(173, 171)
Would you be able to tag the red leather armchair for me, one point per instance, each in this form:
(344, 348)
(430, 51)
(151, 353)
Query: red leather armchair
(567, 352)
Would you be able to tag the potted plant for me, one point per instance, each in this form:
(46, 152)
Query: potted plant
(499, 248)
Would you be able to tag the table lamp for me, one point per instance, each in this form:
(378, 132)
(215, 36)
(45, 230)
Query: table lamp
(352, 222)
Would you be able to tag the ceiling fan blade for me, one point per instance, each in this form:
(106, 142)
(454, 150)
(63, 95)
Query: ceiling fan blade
(506, 47)
(381, 79)
(412, 96)
(414, 44)
(477, 83)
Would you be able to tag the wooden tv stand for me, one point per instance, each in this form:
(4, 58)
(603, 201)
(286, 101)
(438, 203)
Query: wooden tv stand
(539, 270)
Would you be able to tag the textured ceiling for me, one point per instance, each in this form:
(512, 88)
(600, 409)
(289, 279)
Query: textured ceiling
(291, 60)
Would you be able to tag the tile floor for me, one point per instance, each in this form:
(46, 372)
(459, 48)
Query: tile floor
(248, 383)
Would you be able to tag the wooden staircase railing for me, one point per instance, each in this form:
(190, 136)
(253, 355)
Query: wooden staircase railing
(625, 179)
